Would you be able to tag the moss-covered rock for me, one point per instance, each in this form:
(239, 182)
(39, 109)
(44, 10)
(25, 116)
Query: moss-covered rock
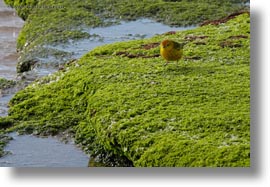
(5, 122)
(5, 84)
(120, 99)
(53, 22)
(23, 7)
(4, 138)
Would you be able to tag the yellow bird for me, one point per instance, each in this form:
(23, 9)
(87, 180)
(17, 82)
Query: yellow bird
(171, 50)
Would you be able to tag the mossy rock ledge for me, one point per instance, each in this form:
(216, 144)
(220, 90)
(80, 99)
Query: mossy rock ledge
(120, 100)
(49, 23)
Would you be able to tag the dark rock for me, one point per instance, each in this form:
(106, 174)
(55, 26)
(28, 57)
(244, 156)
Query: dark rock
(224, 20)
(27, 65)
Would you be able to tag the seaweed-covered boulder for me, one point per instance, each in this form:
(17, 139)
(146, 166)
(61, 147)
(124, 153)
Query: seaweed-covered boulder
(120, 100)
(57, 22)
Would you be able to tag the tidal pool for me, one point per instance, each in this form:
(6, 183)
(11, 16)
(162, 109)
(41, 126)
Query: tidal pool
(132, 30)
(74, 49)
(4, 99)
(32, 151)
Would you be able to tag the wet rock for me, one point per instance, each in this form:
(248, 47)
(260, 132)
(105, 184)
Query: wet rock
(129, 55)
(150, 45)
(4, 139)
(229, 44)
(5, 123)
(170, 33)
(224, 20)
(238, 37)
(192, 58)
(200, 43)
(27, 65)
(5, 84)
(193, 37)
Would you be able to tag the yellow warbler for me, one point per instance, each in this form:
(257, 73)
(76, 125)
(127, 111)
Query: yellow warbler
(171, 50)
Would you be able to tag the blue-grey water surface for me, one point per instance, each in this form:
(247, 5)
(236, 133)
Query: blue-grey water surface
(30, 151)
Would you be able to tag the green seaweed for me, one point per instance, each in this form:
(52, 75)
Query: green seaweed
(23, 7)
(5, 84)
(53, 22)
(5, 123)
(123, 105)
(4, 139)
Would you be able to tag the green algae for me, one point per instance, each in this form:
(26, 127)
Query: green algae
(132, 110)
(23, 7)
(5, 84)
(4, 139)
(5, 123)
(54, 22)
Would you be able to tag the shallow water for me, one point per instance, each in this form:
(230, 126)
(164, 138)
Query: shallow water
(139, 29)
(4, 99)
(10, 25)
(30, 151)
(132, 30)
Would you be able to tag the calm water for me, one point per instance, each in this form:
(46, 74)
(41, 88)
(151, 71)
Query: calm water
(4, 99)
(142, 28)
(30, 151)
(10, 25)
(139, 29)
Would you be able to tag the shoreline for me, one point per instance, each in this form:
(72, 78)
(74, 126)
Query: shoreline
(112, 128)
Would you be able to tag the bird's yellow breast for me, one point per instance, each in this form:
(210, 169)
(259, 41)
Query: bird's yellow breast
(171, 54)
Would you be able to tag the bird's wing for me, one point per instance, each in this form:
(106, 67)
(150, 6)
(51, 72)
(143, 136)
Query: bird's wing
(178, 45)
